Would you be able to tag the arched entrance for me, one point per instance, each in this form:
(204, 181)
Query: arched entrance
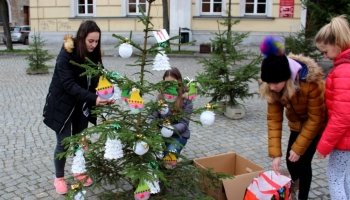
(8, 11)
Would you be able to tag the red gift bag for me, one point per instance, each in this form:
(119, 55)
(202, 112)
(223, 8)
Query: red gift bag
(269, 186)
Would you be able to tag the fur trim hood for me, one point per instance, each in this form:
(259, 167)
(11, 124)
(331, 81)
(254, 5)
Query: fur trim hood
(68, 43)
(315, 72)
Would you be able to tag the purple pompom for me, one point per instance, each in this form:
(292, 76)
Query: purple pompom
(272, 45)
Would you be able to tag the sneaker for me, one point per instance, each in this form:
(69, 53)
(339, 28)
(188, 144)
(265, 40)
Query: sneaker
(85, 179)
(294, 189)
(60, 185)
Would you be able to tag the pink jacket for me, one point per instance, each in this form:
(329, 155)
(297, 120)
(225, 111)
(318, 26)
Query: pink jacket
(337, 132)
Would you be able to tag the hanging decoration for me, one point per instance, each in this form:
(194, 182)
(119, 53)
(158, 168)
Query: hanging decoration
(142, 192)
(164, 107)
(78, 165)
(125, 96)
(170, 161)
(207, 117)
(161, 62)
(167, 130)
(141, 148)
(80, 195)
(154, 185)
(170, 94)
(125, 49)
(114, 147)
(135, 101)
(192, 93)
(105, 89)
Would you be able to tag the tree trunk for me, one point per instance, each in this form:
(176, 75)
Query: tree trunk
(165, 15)
(5, 23)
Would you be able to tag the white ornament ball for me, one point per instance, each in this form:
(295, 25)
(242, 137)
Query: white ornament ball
(207, 118)
(125, 50)
(164, 110)
(167, 131)
(141, 148)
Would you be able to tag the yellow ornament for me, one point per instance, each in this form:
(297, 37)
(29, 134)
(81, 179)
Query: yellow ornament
(105, 89)
(170, 161)
(135, 101)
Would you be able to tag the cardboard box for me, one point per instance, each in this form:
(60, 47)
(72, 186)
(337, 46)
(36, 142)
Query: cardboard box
(241, 168)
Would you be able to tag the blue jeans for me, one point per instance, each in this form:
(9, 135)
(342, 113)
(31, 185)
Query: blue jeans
(175, 147)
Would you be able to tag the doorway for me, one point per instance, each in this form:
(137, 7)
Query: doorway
(26, 15)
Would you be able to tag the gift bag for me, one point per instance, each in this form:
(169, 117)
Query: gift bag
(269, 186)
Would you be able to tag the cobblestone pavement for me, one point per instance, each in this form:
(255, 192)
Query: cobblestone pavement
(26, 144)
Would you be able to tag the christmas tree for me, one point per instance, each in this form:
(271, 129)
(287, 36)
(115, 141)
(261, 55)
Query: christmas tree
(37, 56)
(228, 71)
(127, 149)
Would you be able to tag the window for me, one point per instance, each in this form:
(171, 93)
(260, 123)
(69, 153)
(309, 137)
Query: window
(133, 7)
(85, 7)
(211, 7)
(255, 7)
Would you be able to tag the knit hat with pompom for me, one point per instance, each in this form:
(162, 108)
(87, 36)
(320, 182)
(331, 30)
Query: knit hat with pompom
(275, 66)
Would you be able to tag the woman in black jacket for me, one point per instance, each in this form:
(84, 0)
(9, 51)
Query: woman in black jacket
(70, 95)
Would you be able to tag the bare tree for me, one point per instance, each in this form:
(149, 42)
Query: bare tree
(165, 15)
(5, 23)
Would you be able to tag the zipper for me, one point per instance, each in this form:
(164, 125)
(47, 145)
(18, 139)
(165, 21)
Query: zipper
(66, 121)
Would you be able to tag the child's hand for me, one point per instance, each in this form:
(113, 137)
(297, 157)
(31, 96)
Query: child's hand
(293, 157)
(319, 155)
(275, 164)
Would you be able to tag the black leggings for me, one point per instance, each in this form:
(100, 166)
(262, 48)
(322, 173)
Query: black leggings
(302, 168)
(75, 124)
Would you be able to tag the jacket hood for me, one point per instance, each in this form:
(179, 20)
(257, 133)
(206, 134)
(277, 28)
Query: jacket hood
(315, 72)
(68, 43)
(343, 57)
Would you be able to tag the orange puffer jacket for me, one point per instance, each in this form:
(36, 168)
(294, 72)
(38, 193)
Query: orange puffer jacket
(306, 111)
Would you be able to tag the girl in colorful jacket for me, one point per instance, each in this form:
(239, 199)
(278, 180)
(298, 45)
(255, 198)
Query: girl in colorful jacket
(294, 84)
(333, 40)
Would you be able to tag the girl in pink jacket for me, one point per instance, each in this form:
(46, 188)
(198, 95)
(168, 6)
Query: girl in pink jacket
(333, 40)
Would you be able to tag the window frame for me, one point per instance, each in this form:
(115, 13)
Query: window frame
(137, 13)
(199, 12)
(268, 11)
(74, 6)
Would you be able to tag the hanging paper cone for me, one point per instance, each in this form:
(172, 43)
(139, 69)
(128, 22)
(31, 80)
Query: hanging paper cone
(135, 102)
(105, 89)
(142, 192)
(78, 165)
(170, 94)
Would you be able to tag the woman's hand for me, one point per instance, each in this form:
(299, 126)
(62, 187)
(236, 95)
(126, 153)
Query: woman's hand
(275, 164)
(101, 102)
(319, 155)
(293, 157)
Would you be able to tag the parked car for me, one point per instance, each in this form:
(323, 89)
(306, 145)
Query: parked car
(18, 34)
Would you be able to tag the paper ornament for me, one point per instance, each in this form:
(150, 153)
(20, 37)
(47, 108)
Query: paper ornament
(78, 165)
(167, 130)
(135, 101)
(161, 62)
(141, 148)
(114, 149)
(80, 195)
(154, 185)
(170, 94)
(170, 161)
(207, 117)
(125, 96)
(125, 50)
(192, 93)
(164, 107)
(105, 89)
(117, 93)
(142, 192)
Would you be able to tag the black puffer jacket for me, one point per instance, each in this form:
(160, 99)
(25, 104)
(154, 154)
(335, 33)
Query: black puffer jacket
(68, 89)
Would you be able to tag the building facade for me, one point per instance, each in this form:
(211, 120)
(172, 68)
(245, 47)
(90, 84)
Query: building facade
(198, 18)
(18, 11)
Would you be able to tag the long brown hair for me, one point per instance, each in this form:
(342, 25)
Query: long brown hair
(85, 28)
(175, 73)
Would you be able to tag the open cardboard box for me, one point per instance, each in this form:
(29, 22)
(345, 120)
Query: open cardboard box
(241, 168)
